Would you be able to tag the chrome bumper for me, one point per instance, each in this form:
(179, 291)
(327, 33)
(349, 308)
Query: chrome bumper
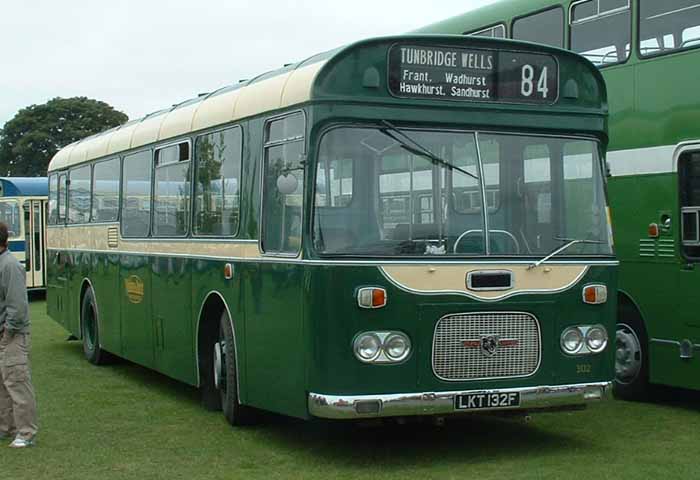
(443, 403)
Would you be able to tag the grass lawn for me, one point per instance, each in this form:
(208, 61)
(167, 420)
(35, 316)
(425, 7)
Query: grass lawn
(123, 421)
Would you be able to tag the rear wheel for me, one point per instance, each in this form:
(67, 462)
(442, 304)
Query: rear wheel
(89, 324)
(226, 377)
(631, 360)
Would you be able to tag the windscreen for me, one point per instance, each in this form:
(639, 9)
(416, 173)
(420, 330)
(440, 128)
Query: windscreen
(419, 192)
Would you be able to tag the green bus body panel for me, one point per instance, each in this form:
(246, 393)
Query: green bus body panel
(295, 320)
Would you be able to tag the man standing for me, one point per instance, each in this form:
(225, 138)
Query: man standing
(17, 402)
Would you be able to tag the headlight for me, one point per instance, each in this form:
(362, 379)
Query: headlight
(397, 346)
(596, 339)
(367, 347)
(571, 340)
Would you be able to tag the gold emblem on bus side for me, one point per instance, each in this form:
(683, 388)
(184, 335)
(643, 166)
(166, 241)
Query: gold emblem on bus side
(134, 289)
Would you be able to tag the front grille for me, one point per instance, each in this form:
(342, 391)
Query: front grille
(458, 352)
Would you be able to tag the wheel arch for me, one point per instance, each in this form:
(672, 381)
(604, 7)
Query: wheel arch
(213, 305)
(627, 306)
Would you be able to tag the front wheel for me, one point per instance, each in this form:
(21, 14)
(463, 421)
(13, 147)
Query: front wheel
(89, 325)
(631, 361)
(226, 377)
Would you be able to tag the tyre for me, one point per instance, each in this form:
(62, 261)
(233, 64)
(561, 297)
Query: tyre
(226, 378)
(631, 359)
(89, 325)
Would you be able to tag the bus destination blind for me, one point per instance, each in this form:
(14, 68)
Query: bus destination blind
(471, 74)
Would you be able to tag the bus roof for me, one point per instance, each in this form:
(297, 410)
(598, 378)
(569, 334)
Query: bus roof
(488, 15)
(24, 186)
(330, 75)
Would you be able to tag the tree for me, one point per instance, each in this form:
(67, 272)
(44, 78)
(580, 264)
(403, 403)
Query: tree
(30, 139)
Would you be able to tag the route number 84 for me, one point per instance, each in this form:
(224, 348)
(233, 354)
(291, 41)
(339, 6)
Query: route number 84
(527, 83)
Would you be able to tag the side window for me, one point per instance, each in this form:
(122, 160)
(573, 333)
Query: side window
(497, 31)
(283, 184)
(601, 30)
(79, 194)
(61, 198)
(136, 195)
(53, 199)
(689, 177)
(217, 182)
(668, 26)
(105, 191)
(171, 195)
(545, 27)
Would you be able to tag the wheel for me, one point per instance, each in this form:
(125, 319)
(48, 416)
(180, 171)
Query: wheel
(631, 360)
(89, 324)
(226, 379)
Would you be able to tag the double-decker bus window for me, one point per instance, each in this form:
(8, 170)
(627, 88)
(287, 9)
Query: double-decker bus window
(668, 26)
(466, 192)
(602, 30)
(79, 194)
(334, 178)
(217, 182)
(283, 185)
(105, 191)
(689, 177)
(10, 215)
(544, 27)
(497, 31)
(136, 195)
(171, 196)
(53, 199)
(61, 198)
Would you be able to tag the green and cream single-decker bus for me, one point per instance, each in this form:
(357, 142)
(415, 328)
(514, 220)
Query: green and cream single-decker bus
(405, 226)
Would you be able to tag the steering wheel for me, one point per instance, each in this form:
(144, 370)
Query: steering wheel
(506, 233)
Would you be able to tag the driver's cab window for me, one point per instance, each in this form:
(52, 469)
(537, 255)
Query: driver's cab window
(689, 176)
(283, 184)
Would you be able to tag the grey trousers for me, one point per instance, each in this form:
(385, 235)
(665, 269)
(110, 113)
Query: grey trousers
(17, 400)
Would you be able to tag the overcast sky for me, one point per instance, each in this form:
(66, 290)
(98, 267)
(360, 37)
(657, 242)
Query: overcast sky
(144, 55)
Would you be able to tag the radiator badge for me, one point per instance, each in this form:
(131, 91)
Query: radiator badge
(489, 344)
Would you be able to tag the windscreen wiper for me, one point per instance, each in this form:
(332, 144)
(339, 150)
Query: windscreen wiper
(418, 149)
(570, 242)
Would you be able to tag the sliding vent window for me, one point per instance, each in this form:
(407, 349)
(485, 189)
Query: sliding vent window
(53, 199)
(545, 27)
(689, 176)
(79, 195)
(668, 26)
(105, 191)
(601, 31)
(498, 31)
(136, 195)
(217, 184)
(283, 185)
(171, 196)
(62, 183)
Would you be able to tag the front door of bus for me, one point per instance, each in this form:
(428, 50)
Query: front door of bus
(34, 235)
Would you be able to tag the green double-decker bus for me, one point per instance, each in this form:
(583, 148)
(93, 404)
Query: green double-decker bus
(647, 51)
(412, 225)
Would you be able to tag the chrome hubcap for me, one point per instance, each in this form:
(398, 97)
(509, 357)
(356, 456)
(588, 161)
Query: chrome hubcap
(219, 365)
(628, 354)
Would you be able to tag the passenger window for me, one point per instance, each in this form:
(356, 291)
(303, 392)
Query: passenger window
(601, 31)
(668, 26)
(689, 177)
(61, 198)
(105, 191)
(497, 31)
(136, 195)
(53, 199)
(217, 184)
(545, 27)
(79, 195)
(171, 197)
(283, 185)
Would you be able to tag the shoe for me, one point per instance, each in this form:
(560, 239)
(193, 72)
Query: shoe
(19, 442)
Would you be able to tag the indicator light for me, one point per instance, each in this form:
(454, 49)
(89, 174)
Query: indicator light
(595, 294)
(653, 230)
(371, 297)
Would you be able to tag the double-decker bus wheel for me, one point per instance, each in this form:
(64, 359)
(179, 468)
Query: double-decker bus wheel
(89, 322)
(631, 360)
(225, 377)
